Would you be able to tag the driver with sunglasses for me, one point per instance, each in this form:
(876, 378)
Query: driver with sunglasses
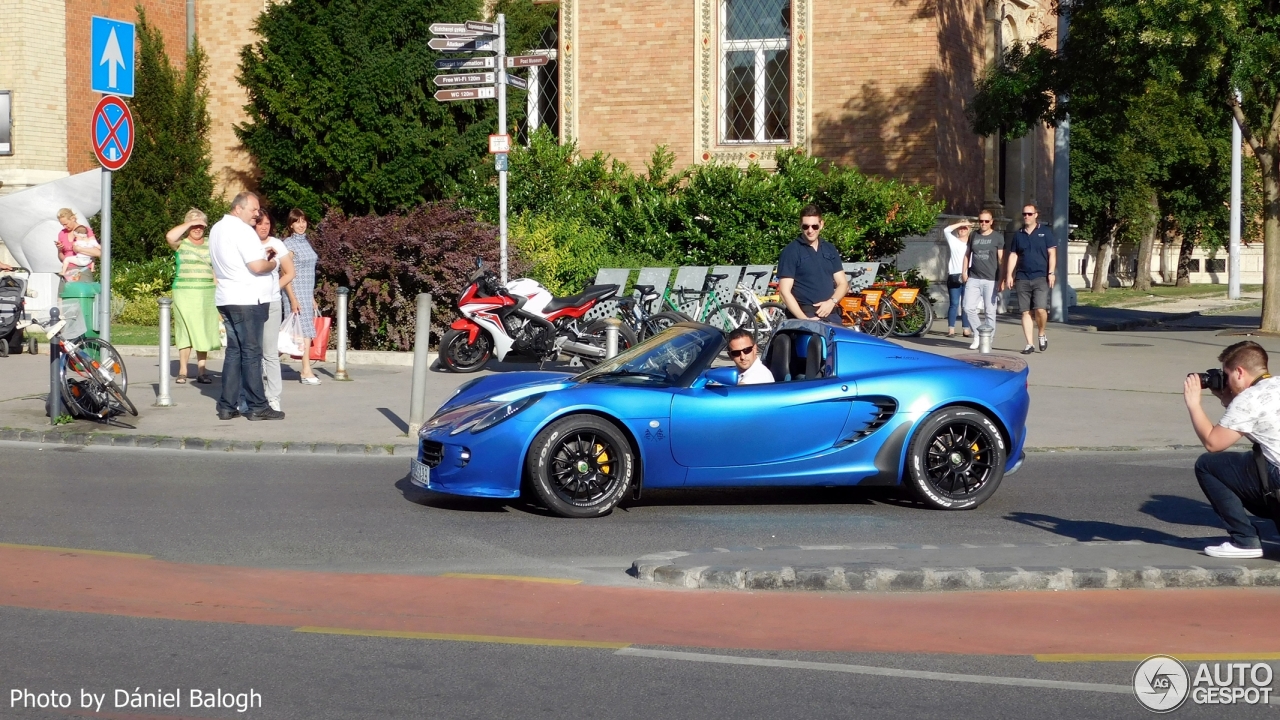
(746, 356)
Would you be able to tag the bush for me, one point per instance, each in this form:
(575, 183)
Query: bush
(136, 288)
(387, 260)
(564, 255)
(712, 214)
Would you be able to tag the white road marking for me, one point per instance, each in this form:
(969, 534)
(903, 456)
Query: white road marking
(870, 670)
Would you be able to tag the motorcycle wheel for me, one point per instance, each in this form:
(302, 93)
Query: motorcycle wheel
(458, 355)
(594, 335)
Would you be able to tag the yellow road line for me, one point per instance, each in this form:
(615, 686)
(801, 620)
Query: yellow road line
(1130, 657)
(520, 578)
(499, 639)
(78, 551)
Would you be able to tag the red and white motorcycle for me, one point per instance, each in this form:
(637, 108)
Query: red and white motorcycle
(524, 318)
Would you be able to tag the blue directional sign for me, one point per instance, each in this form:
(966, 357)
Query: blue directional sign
(112, 57)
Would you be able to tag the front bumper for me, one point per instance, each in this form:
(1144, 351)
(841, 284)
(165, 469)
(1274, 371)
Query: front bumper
(487, 467)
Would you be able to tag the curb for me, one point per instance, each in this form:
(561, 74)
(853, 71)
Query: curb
(1125, 325)
(159, 442)
(657, 568)
(354, 357)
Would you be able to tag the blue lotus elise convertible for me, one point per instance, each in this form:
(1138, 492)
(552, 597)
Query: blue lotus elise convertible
(845, 409)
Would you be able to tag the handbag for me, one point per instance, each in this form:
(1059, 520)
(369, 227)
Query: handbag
(320, 343)
(291, 341)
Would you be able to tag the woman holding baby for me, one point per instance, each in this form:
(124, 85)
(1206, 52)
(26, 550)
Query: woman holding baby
(77, 247)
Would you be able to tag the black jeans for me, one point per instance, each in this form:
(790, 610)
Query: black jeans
(811, 313)
(242, 364)
(1231, 482)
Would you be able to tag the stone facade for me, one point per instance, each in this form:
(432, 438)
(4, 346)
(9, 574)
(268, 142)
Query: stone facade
(881, 84)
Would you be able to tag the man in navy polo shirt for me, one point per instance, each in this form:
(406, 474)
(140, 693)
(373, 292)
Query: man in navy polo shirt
(1032, 259)
(811, 276)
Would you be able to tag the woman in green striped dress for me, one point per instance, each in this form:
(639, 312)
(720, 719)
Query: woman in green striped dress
(195, 318)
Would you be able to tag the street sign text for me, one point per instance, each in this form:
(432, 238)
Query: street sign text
(464, 79)
(480, 93)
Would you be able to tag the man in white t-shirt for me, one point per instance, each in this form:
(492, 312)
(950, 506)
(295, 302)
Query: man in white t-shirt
(1240, 483)
(243, 269)
(745, 354)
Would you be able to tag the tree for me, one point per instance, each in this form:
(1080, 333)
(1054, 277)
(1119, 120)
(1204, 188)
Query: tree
(341, 107)
(168, 173)
(1193, 55)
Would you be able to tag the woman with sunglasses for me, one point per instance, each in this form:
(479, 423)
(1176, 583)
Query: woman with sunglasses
(957, 235)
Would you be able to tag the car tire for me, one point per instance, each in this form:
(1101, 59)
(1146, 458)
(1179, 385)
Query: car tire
(581, 466)
(956, 459)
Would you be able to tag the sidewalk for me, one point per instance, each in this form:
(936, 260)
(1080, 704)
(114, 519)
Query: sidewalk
(1091, 390)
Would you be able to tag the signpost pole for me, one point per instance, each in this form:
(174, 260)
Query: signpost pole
(104, 298)
(501, 86)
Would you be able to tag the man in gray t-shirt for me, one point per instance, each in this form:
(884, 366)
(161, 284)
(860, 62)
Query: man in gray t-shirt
(982, 272)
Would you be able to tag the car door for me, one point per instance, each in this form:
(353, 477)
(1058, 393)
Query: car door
(717, 426)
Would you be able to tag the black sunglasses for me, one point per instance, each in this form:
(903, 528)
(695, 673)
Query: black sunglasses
(743, 351)
(984, 222)
(810, 227)
(1027, 214)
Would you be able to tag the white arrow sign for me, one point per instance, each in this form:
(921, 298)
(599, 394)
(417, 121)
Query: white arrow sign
(112, 58)
(516, 82)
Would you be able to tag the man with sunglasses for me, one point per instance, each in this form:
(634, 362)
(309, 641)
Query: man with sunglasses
(1032, 259)
(746, 355)
(811, 275)
(981, 272)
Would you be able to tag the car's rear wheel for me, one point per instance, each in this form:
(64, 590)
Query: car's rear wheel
(956, 460)
(580, 466)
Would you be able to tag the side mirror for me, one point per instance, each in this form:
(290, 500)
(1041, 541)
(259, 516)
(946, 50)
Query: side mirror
(722, 376)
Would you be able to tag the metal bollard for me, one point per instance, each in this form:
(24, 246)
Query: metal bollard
(162, 398)
(55, 389)
(611, 326)
(986, 332)
(340, 373)
(418, 390)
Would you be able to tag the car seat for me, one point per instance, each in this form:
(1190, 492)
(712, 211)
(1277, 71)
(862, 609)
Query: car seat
(806, 361)
(778, 359)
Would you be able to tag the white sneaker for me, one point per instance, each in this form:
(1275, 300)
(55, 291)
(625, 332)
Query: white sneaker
(274, 403)
(313, 380)
(1231, 550)
(974, 345)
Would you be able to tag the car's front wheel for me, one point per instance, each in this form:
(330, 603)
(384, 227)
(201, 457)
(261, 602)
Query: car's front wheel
(956, 459)
(580, 466)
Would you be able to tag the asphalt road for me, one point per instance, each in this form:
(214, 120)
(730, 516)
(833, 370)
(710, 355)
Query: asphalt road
(361, 516)
(332, 513)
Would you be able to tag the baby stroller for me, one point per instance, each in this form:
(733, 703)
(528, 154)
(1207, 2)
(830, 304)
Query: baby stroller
(13, 292)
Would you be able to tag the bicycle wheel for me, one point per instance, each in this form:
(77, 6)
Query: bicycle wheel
(83, 392)
(659, 322)
(880, 323)
(120, 398)
(914, 319)
(108, 359)
(772, 314)
(730, 317)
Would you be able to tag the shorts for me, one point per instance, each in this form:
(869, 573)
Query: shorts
(1033, 294)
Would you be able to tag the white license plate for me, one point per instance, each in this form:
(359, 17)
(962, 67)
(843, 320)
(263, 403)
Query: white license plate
(420, 474)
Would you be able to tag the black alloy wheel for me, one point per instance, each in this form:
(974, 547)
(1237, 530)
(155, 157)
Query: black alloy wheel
(580, 466)
(957, 459)
(460, 356)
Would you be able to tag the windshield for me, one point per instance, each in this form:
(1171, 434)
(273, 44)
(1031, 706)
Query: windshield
(674, 357)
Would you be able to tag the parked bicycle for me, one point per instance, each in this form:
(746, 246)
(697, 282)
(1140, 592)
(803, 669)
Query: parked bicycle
(912, 310)
(635, 314)
(707, 307)
(91, 376)
(766, 313)
(868, 311)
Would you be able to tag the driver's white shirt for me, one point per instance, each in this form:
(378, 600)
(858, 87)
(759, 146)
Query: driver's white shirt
(757, 374)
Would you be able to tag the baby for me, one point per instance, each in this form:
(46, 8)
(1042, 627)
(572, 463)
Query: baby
(75, 264)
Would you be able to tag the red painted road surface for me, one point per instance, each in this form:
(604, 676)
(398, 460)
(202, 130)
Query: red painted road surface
(1001, 623)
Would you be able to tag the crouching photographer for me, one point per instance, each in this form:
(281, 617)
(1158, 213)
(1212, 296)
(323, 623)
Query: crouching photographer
(1239, 483)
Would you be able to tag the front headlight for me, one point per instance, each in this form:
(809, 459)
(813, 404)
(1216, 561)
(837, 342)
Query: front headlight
(504, 412)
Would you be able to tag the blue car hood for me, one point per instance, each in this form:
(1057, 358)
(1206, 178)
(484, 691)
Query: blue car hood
(505, 387)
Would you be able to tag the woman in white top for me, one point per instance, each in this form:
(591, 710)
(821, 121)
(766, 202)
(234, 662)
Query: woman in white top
(281, 276)
(957, 235)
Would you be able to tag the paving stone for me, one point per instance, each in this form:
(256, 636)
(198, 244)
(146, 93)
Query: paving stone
(10, 434)
(271, 448)
(194, 443)
(351, 449)
(124, 440)
(324, 449)
(170, 443)
(218, 445)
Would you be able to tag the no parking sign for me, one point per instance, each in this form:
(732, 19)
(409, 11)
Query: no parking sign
(112, 132)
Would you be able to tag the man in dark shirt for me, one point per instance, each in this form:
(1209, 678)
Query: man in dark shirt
(811, 276)
(1032, 259)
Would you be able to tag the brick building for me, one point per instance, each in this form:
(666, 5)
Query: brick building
(880, 84)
